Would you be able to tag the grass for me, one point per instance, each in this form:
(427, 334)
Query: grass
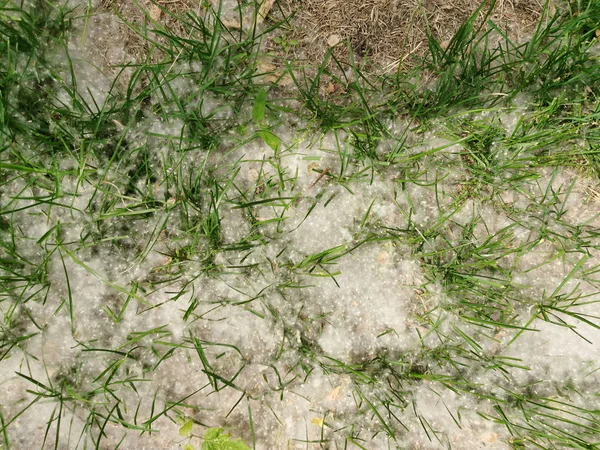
(180, 251)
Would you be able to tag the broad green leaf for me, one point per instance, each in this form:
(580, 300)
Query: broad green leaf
(215, 439)
(260, 104)
(270, 139)
(212, 434)
(188, 447)
(186, 429)
(238, 444)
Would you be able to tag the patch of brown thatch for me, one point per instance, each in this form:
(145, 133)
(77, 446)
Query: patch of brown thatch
(386, 34)
(390, 31)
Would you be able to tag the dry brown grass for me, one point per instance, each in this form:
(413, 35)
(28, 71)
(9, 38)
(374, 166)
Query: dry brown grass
(142, 14)
(386, 33)
(390, 31)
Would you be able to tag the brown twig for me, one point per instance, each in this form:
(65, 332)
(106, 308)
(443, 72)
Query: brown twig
(325, 172)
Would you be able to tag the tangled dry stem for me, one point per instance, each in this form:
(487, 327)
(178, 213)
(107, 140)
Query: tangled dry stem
(389, 32)
(384, 34)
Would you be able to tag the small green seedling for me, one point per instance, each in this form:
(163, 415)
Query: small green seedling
(270, 139)
(186, 429)
(214, 439)
(286, 44)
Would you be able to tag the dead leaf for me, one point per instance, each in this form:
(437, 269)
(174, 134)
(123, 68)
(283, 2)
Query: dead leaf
(490, 438)
(335, 393)
(383, 257)
(119, 125)
(264, 10)
(286, 80)
(268, 72)
(272, 78)
(598, 34)
(264, 67)
(279, 78)
(252, 175)
(154, 12)
(330, 88)
(333, 40)
(232, 24)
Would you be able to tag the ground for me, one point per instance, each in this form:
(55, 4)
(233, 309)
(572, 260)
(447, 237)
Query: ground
(216, 232)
